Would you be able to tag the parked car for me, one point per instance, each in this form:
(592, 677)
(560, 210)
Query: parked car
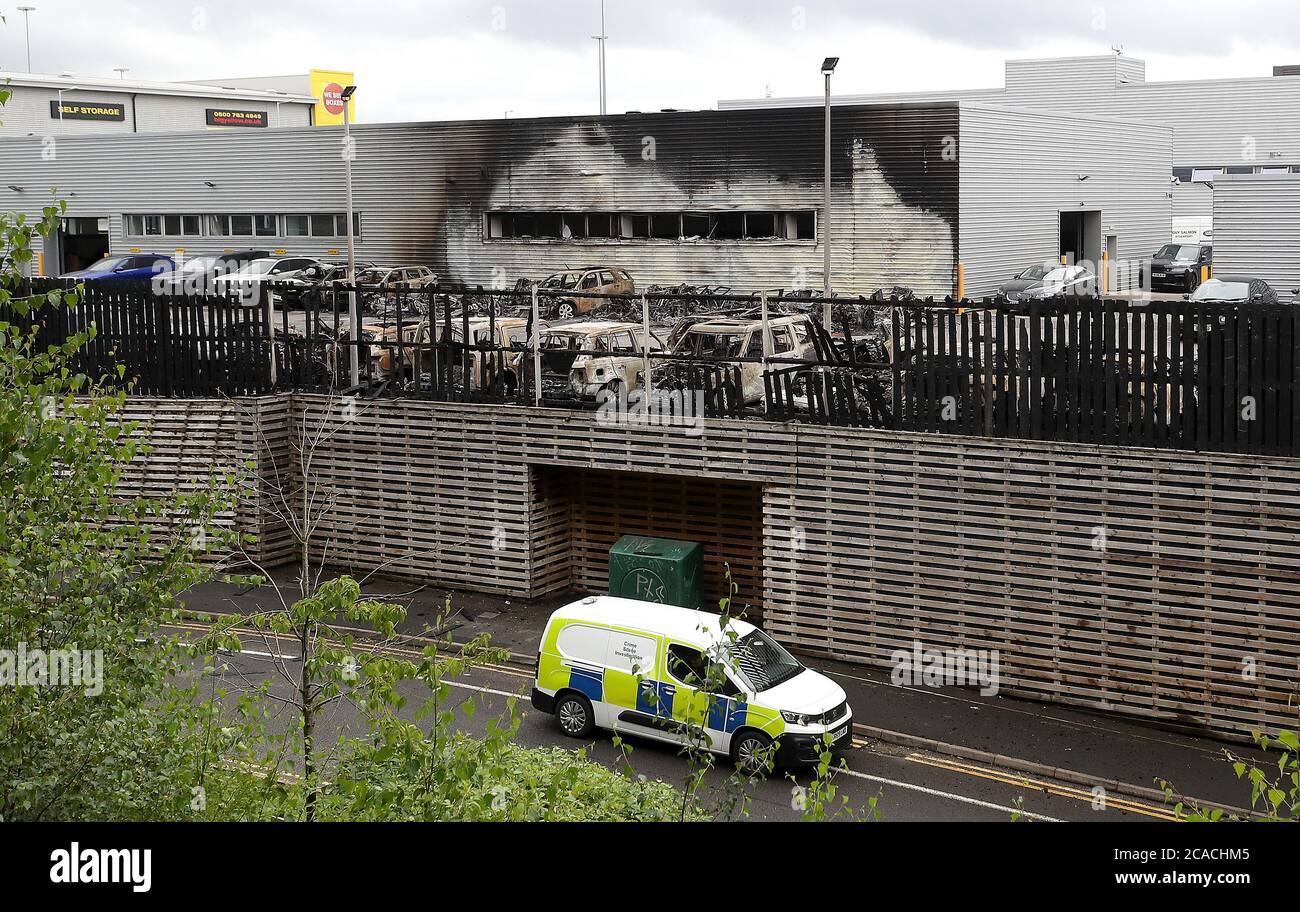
(1178, 266)
(248, 278)
(725, 338)
(592, 279)
(1047, 281)
(134, 267)
(582, 359)
(511, 337)
(194, 275)
(413, 276)
(1235, 289)
(682, 676)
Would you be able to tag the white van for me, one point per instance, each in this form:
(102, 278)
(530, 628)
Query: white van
(668, 673)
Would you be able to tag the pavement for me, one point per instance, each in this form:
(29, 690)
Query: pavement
(929, 753)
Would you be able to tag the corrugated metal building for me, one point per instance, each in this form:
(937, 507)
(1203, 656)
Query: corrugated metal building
(1219, 125)
(725, 197)
(55, 106)
(1257, 229)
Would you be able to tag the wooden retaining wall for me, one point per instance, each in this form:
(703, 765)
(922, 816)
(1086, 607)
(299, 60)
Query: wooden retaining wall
(1158, 584)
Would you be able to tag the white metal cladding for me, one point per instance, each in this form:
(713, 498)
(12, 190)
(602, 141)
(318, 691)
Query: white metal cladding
(1257, 228)
(422, 190)
(1193, 200)
(1216, 122)
(1021, 169)
(28, 112)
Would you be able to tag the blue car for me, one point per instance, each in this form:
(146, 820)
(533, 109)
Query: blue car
(134, 267)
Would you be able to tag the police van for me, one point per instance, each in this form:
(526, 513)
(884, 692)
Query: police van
(678, 675)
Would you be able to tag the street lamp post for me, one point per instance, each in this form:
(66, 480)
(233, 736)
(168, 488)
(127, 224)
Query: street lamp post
(354, 317)
(27, 29)
(601, 39)
(828, 68)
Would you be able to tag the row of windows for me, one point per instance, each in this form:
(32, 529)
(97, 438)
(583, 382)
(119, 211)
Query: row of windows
(320, 224)
(1207, 175)
(667, 226)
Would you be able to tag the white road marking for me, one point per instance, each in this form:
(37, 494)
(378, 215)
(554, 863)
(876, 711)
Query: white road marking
(949, 795)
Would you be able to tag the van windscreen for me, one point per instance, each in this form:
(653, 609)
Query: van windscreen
(763, 661)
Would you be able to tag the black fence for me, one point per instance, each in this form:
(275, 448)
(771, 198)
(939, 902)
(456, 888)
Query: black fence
(1158, 374)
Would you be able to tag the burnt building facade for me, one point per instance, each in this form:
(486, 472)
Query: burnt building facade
(720, 197)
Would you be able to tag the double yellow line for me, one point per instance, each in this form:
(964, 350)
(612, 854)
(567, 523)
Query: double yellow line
(1111, 802)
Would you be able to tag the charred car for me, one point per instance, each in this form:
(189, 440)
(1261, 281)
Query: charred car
(739, 340)
(582, 359)
(499, 358)
(602, 280)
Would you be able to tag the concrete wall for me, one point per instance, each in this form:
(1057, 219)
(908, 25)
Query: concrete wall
(1141, 582)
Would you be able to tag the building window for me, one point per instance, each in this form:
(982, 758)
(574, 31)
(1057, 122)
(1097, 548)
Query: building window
(759, 225)
(262, 225)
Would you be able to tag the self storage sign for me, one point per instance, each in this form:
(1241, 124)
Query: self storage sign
(87, 110)
(218, 117)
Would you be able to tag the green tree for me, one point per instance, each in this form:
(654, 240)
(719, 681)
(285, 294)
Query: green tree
(84, 572)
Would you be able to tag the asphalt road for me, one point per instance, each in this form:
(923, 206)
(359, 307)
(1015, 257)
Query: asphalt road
(911, 785)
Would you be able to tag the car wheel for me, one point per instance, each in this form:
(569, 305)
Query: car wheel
(1191, 282)
(575, 715)
(750, 752)
(566, 311)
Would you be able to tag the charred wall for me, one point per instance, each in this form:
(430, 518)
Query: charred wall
(422, 190)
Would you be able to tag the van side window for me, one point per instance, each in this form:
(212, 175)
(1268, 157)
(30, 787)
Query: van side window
(584, 643)
(687, 665)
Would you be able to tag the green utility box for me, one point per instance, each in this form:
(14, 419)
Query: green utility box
(657, 570)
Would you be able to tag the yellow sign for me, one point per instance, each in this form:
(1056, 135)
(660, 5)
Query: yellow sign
(327, 86)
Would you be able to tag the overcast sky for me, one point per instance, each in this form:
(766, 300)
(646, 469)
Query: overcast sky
(444, 59)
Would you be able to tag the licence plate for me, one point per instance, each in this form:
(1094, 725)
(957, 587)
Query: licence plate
(840, 733)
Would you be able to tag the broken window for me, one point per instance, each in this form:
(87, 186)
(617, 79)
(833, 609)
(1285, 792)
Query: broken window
(550, 225)
(575, 226)
(729, 226)
(760, 224)
(666, 226)
(696, 226)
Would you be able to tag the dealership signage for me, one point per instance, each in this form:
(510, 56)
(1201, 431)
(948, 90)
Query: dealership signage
(223, 118)
(87, 110)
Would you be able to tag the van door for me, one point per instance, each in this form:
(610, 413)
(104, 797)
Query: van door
(632, 688)
(707, 702)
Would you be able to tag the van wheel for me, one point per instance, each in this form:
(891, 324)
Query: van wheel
(575, 715)
(750, 752)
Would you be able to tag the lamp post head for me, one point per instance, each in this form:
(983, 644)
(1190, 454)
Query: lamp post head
(829, 65)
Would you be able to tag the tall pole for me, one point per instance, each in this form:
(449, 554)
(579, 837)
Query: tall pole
(826, 211)
(354, 316)
(601, 57)
(27, 28)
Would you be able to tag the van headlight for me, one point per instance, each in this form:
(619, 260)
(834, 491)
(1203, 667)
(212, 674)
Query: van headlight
(798, 718)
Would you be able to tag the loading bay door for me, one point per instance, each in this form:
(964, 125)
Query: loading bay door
(583, 512)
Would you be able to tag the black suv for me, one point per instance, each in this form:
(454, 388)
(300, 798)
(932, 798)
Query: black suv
(1178, 266)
